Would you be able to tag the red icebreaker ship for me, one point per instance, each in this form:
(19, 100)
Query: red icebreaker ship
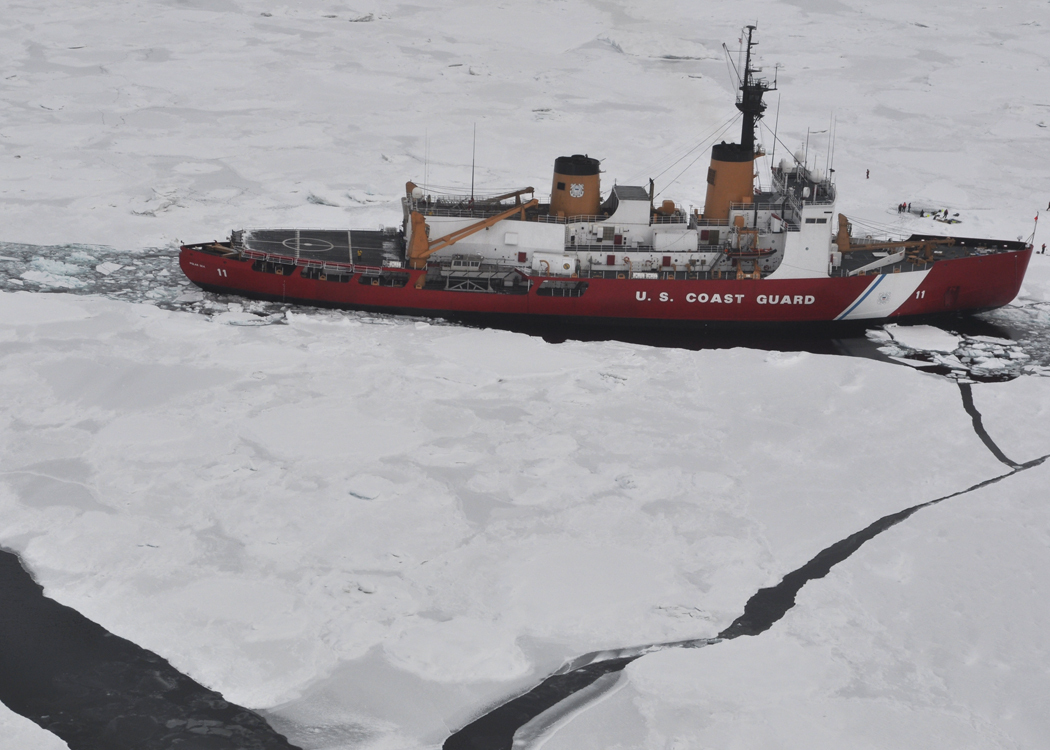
(756, 257)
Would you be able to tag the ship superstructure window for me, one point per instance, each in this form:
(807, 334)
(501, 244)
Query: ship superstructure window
(816, 221)
(710, 176)
(561, 186)
(608, 233)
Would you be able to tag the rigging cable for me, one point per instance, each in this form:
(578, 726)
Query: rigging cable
(725, 127)
(713, 134)
(875, 227)
(731, 67)
(776, 139)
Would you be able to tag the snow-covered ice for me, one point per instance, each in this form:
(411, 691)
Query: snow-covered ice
(377, 528)
(448, 510)
(919, 639)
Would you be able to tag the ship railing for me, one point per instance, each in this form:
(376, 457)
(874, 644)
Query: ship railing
(578, 219)
(581, 219)
(481, 212)
(902, 267)
(684, 273)
(461, 201)
(670, 219)
(304, 262)
(775, 206)
(712, 222)
(477, 212)
(611, 247)
(436, 196)
(251, 231)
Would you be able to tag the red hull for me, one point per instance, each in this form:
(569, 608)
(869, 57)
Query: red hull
(968, 284)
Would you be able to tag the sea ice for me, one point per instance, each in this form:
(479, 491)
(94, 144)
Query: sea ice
(281, 510)
(19, 733)
(385, 527)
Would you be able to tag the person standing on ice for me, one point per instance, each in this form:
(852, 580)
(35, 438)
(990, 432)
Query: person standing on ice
(867, 176)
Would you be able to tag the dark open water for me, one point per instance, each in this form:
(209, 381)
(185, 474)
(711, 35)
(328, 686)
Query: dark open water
(100, 692)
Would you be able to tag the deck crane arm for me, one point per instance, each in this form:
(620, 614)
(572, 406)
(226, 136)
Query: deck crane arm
(420, 247)
(844, 242)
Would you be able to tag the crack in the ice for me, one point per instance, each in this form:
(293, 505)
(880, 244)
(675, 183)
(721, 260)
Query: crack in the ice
(769, 605)
(495, 729)
(978, 425)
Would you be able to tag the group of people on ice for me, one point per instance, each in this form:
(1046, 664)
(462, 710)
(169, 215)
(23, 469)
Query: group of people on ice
(905, 208)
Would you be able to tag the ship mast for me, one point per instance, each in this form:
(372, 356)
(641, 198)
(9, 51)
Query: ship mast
(749, 101)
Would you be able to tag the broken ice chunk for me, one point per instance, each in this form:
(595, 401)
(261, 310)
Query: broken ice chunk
(924, 338)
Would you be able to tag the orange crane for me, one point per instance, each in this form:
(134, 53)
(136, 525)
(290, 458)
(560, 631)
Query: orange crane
(421, 247)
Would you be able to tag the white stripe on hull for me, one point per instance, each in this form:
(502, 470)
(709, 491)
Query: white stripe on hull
(882, 297)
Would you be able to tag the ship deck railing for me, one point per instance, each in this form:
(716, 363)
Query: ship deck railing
(902, 267)
(485, 212)
(476, 212)
(609, 247)
(578, 219)
(711, 222)
(290, 259)
(780, 205)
